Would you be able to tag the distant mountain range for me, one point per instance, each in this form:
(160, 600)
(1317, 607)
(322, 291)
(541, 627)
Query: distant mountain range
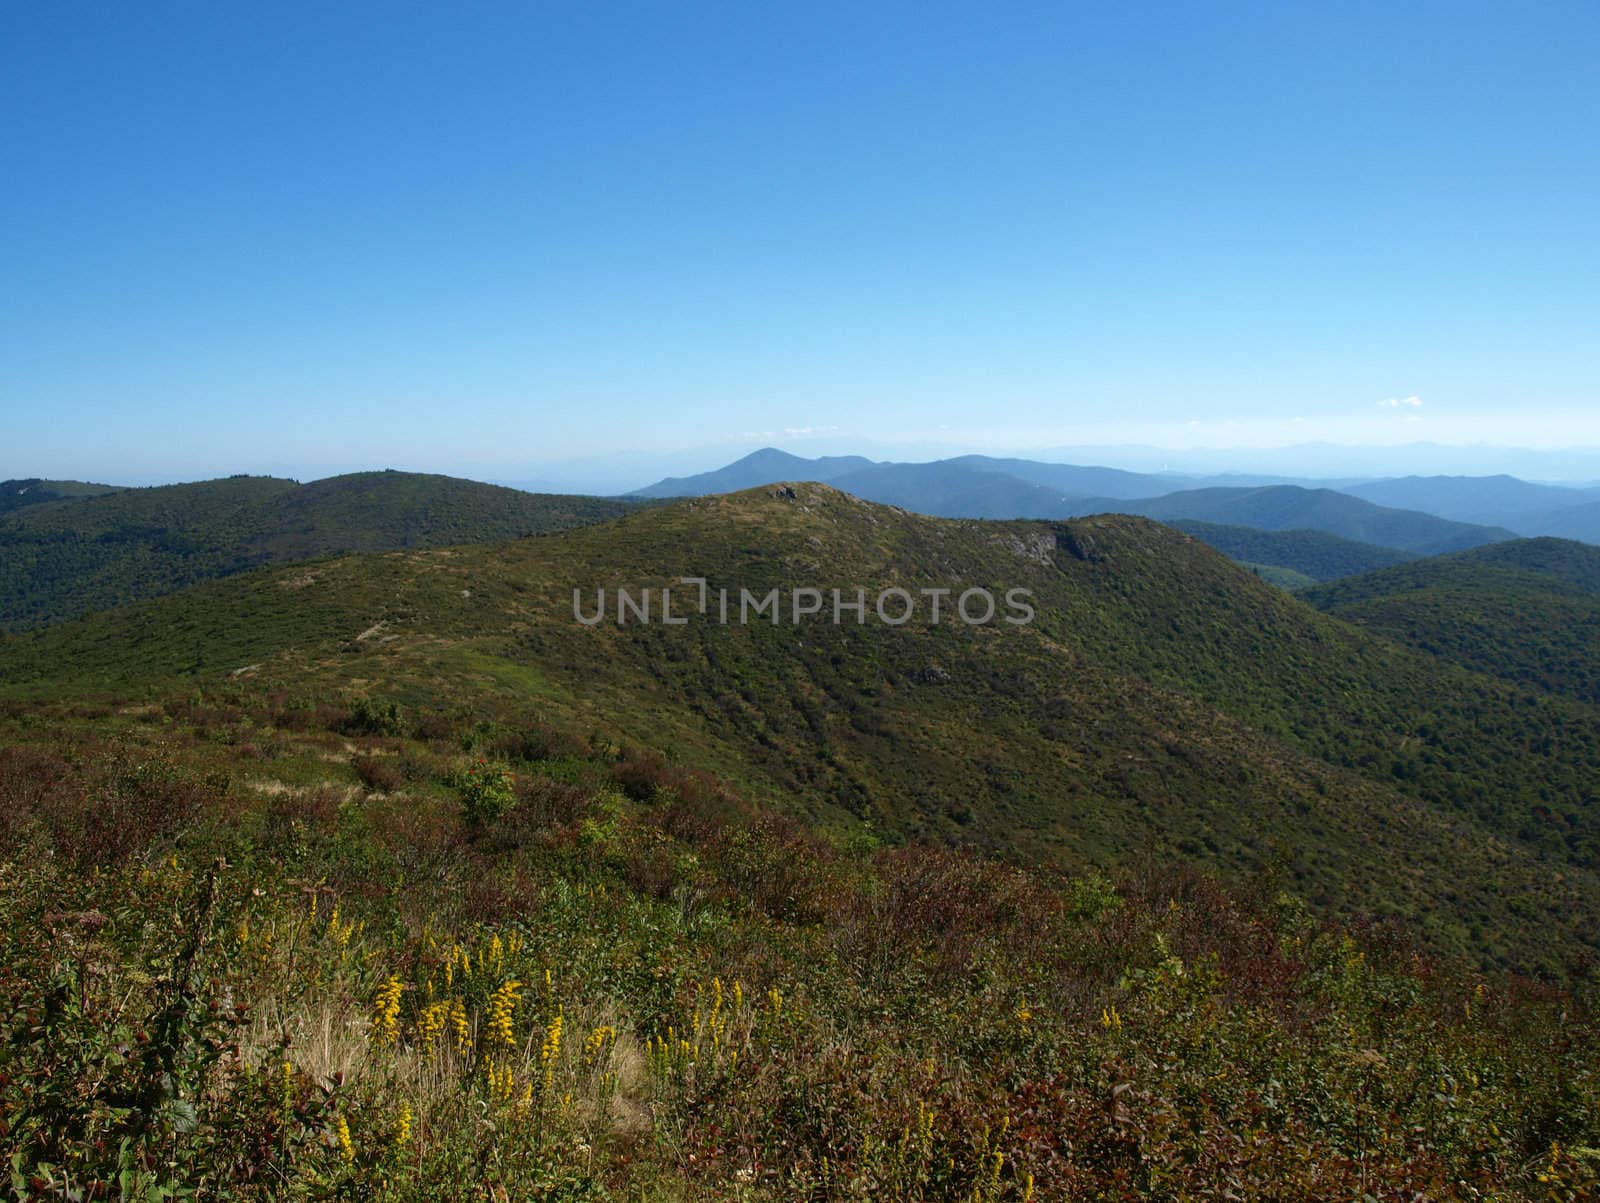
(1529, 509)
(976, 486)
(966, 474)
(1293, 508)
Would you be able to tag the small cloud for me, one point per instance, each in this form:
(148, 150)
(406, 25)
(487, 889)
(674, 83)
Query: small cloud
(1412, 402)
(788, 432)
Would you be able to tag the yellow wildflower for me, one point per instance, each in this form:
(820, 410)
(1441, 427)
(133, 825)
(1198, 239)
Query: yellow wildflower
(551, 1048)
(502, 1081)
(386, 1011)
(502, 1011)
(431, 1022)
(597, 1041)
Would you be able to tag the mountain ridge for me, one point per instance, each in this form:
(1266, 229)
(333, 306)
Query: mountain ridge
(64, 557)
(1314, 554)
(1526, 611)
(1163, 693)
(977, 486)
(32, 490)
(1292, 507)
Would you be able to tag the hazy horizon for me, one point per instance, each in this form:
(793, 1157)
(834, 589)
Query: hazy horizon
(624, 472)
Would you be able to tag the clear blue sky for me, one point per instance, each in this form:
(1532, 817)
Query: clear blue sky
(481, 237)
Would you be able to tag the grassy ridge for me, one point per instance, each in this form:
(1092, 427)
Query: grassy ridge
(1162, 694)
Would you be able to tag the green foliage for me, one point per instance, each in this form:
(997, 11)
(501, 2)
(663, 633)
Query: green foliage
(1527, 612)
(325, 996)
(369, 716)
(487, 792)
(1090, 898)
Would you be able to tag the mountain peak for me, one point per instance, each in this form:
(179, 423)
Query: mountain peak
(771, 455)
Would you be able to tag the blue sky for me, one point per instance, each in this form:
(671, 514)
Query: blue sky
(494, 238)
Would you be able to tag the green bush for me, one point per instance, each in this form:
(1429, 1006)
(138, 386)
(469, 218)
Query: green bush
(487, 792)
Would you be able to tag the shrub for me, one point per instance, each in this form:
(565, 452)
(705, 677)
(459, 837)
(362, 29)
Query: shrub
(370, 717)
(135, 803)
(436, 727)
(487, 791)
(378, 774)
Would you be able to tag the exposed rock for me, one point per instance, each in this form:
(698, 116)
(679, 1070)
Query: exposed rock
(1080, 546)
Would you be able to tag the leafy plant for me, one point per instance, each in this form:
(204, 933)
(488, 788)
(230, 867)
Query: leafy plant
(487, 791)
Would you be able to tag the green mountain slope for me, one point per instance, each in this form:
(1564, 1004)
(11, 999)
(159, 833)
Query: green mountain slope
(1161, 694)
(63, 558)
(19, 494)
(1527, 611)
(1290, 507)
(1564, 560)
(1308, 553)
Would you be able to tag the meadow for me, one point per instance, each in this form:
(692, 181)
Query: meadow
(268, 946)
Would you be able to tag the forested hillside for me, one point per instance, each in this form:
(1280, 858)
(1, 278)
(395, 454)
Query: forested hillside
(1310, 553)
(76, 554)
(1526, 611)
